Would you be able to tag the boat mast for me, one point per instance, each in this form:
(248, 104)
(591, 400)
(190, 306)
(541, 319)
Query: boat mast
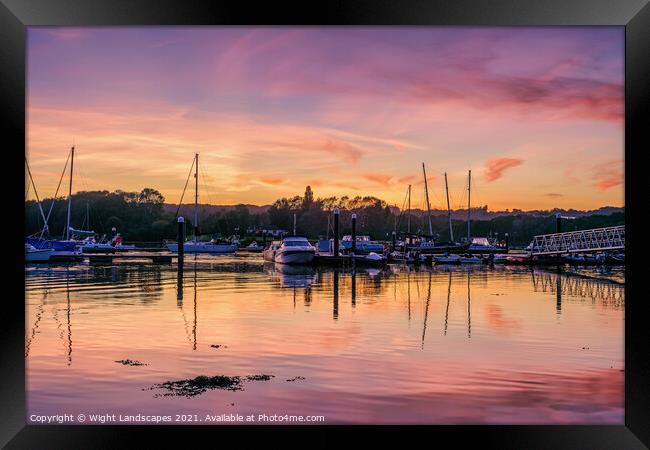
(408, 217)
(469, 203)
(426, 191)
(196, 196)
(67, 228)
(451, 231)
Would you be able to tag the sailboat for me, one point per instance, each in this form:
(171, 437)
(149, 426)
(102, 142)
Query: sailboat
(194, 246)
(74, 241)
(478, 245)
(425, 244)
(66, 248)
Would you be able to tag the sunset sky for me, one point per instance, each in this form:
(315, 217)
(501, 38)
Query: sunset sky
(535, 113)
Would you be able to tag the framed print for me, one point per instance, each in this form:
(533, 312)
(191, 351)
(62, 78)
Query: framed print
(370, 217)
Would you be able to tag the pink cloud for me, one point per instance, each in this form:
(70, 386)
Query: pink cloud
(407, 179)
(272, 181)
(608, 175)
(495, 168)
(378, 178)
(341, 149)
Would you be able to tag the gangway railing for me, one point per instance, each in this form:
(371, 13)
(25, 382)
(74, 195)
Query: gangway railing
(594, 240)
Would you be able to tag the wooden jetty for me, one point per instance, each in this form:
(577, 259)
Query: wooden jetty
(330, 260)
(154, 257)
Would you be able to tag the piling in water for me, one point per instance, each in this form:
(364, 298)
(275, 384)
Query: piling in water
(354, 233)
(180, 238)
(336, 232)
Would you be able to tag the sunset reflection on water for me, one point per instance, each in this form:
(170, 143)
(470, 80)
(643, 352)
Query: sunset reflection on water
(433, 345)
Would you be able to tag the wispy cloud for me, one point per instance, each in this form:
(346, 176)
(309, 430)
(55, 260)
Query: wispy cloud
(378, 178)
(607, 175)
(272, 181)
(495, 168)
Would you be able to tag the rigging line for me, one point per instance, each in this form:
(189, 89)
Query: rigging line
(180, 202)
(40, 207)
(205, 185)
(56, 193)
(398, 220)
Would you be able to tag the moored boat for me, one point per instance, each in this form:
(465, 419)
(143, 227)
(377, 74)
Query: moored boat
(294, 250)
(363, 245)
(269, 252)
(194, 245)
(447, 259)
(470, 259)
(33, 254)
(252, 247)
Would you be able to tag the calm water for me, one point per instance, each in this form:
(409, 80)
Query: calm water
(443, 345)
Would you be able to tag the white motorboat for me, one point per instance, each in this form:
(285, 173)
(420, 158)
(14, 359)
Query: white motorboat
(33, 254)
(295, 250)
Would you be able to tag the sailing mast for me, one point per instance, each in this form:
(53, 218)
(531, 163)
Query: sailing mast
(67, 228)
(451, 231)
(408, 217)
(426, 191)
(196, 196)
(469, 203)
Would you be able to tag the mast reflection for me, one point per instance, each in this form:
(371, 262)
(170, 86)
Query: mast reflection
(426, 311)
(448, 300)
(335, 305)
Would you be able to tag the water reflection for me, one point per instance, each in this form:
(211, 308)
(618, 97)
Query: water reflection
(291, 276)
(335, 300)
(448, 301)
(578, 286)
(361, 346)
(426, 311)
(180, 275)
(68, 318)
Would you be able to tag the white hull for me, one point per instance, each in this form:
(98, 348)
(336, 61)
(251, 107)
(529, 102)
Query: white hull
(38, 255)
(294, 258)
(193, 247)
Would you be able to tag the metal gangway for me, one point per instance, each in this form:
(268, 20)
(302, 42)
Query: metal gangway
(584, 241)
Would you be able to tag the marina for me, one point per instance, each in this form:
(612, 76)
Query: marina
(373, 225)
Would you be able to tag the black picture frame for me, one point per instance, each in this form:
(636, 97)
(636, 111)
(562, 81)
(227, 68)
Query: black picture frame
(634, 15)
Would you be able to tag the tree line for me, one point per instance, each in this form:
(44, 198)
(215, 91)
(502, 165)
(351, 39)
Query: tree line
(140, 217)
